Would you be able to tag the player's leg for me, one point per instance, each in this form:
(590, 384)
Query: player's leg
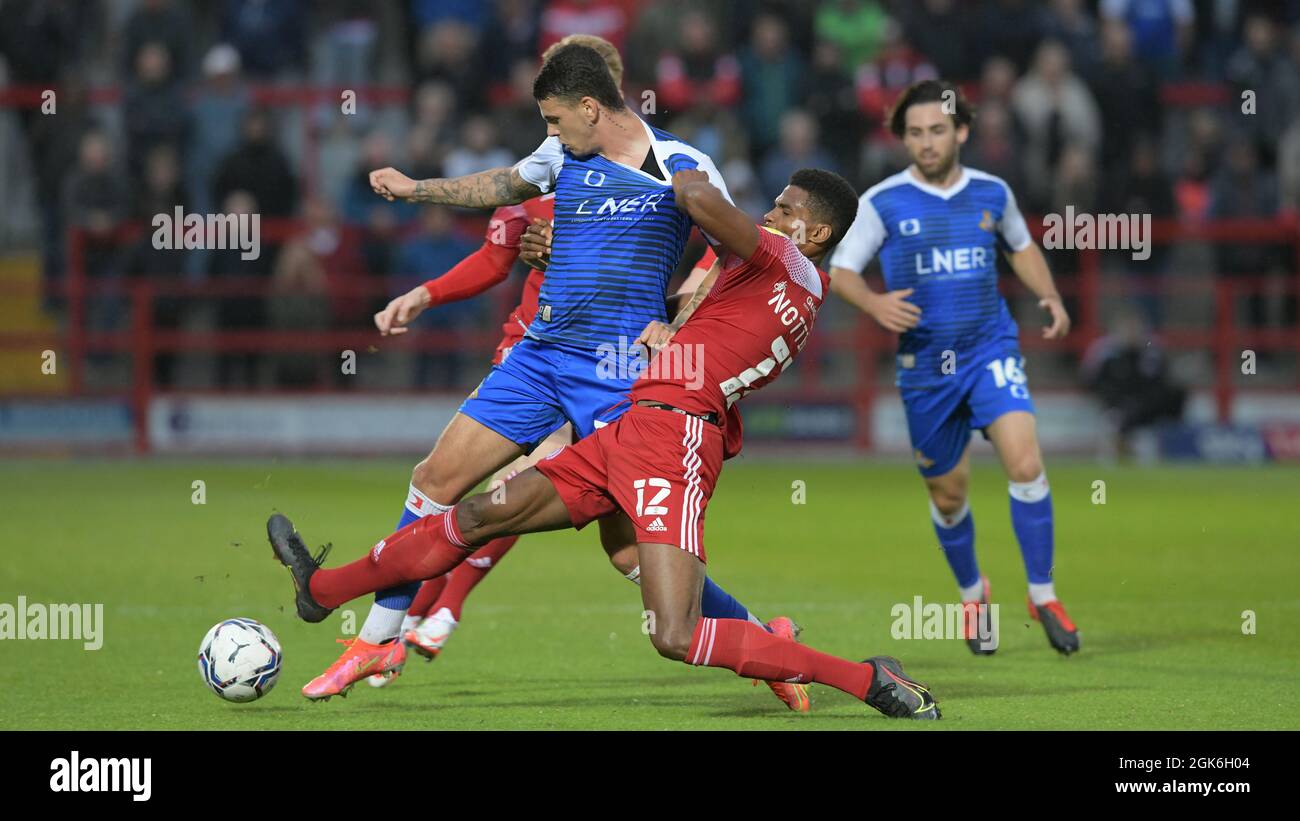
(1014, 436)
(466, 452)
(671, 583)
(440, 616)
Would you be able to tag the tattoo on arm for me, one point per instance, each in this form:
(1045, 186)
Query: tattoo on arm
(487, 189)
(700, 293)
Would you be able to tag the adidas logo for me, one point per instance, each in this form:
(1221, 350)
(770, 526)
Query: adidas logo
(657, 526)
(379, 548)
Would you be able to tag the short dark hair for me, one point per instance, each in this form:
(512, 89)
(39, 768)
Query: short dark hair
(831, 199)
(930, 91)
(574, 72)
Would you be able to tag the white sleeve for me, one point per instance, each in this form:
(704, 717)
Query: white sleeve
(1012, 227)
(715, 177)
(863, 239)
(543, 165)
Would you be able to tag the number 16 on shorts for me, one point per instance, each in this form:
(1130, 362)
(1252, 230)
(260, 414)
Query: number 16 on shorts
(1010, 372)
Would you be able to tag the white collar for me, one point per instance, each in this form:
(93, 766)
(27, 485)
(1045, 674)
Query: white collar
(942, 193)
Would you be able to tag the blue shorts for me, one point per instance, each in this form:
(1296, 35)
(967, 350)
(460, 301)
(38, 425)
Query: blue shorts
(540, 386)
(940, 419)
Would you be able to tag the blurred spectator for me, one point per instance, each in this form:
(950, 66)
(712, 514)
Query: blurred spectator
(258, 166)
(1162, 31)
(897, 67)
(994, 146)
(771, 72)
(940, 29)
(695, 73)
(473, 13)
(1144, 188)
(830, 97)
(521, 128)
(1075, 184)
(431, 253)
(359, 199)
(856, 26)
(159, 21)
(603, 18)
(1068, 22)
(1129, 374)
(41, 39)
(154, 110)
(1011, 29)
(96, 200)
(1126, 96)
(218, 108)
(656, 26)
(1242, 191)
(1056, 109)
(513, 33)
(997, 81)
(160, 192)
(478, 149)
(1261, 67)
(797, 149)
(450, 52)
(240, 311)
(269, 35)
(56, 145)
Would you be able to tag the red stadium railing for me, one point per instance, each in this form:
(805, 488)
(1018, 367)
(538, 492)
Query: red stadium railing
(142, 340)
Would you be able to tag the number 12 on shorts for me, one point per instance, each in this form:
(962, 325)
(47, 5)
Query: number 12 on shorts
(654, 508)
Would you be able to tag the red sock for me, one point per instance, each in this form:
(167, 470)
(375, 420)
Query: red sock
(422, 550)
(429, 593)
(753, 652)
(470, 574)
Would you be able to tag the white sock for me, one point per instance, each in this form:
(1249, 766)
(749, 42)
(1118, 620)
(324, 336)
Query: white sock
(385, 623)
(1035, 490)
(973, 593)
(409, 622)
(1041, 594)
(634, 575)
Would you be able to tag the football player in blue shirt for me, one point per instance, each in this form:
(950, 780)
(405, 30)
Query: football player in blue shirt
(618, 237)
(937, 228)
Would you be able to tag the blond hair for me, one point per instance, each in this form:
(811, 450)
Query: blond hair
(613, 60)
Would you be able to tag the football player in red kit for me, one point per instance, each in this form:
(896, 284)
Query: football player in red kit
(659, 462)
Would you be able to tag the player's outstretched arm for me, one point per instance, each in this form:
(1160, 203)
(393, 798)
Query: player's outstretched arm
(486, 189)
(1031, 267)
(726, 224)
(891, 309)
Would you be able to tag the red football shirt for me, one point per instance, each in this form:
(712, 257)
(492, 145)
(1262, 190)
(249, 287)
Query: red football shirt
(747, 331)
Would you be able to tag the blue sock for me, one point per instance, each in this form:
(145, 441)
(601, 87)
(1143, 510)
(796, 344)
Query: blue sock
(1031, 518)
(400, 597)
(716, 603)
(957, 538)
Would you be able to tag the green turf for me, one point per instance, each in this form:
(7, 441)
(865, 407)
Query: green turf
(1157, 578)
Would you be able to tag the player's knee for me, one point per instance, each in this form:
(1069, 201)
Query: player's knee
(474, 519)
(1025, 468)
(948, 497)
(424, 479)
(671, 642)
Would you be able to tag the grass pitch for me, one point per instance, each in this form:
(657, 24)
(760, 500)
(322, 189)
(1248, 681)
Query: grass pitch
(1157, 578)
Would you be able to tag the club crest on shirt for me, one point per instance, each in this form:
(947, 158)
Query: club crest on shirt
(987, 223)
(779, 288)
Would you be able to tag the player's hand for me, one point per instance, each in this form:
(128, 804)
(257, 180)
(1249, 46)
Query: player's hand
(686, 176)
(393, 319)
(656, 335)
(894, 312)
(392, 184)
(535, 245)
(1060, 319)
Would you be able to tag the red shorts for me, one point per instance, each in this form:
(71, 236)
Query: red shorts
(503, 347)
(657, 466)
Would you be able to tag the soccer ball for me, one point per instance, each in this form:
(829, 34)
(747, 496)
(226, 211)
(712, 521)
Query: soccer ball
(239, 659)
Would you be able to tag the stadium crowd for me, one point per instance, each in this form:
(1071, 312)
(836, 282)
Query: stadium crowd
(1116, 106)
